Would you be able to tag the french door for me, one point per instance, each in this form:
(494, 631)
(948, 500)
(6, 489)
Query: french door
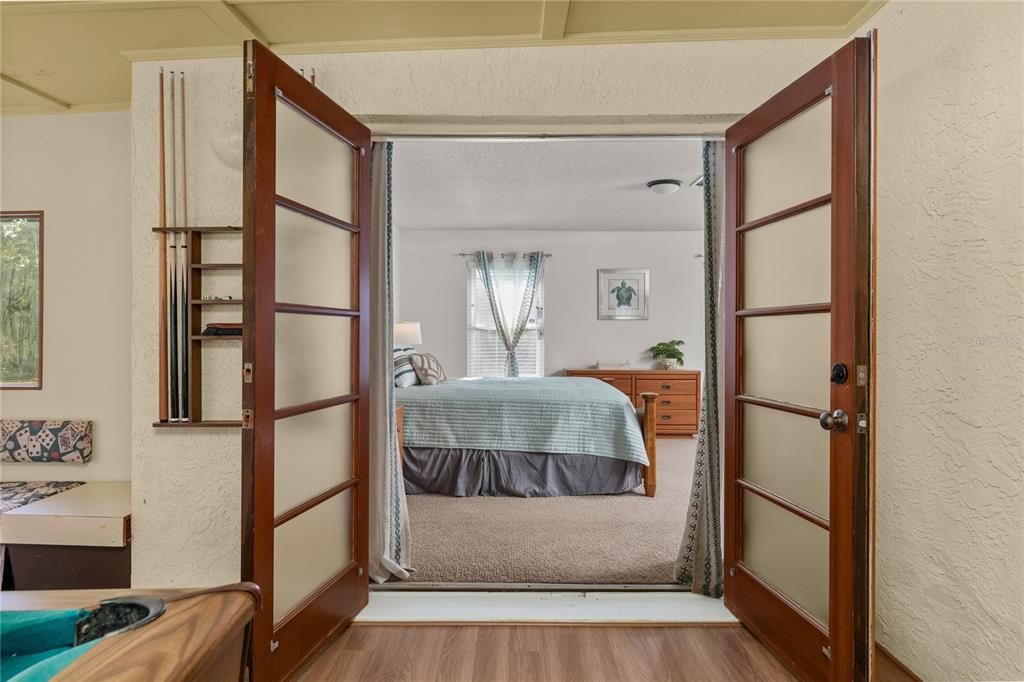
(797, 488)
(305, 355)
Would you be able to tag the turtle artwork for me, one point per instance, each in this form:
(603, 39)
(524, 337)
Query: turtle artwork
(624, 294)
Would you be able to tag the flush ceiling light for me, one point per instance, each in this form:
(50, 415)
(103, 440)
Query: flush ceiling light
(664, 186)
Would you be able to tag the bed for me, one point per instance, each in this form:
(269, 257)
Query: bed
(526, 437)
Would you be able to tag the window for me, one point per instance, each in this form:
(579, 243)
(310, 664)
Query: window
(486, 351)
(21, 299)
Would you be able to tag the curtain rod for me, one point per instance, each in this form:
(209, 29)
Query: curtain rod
(507, 253)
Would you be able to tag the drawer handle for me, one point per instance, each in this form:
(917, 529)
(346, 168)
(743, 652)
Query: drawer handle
(666, 386)
(666, 417)
(666, 402)
(609, 380)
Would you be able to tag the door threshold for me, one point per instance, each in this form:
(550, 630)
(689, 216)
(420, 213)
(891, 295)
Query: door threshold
(521, 587)
(536, 607)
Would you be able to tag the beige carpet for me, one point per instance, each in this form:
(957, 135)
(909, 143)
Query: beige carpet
(614, 539)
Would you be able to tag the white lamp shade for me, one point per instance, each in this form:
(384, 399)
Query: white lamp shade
(408, 334)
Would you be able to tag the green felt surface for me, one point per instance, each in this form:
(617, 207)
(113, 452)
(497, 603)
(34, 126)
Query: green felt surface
(36, 645)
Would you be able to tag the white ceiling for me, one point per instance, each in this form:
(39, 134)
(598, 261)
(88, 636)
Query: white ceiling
(545, 184)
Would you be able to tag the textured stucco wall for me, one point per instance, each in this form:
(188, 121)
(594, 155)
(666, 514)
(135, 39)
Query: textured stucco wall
(950, 476)
(951, 315)
(186, 498)
(75, 168)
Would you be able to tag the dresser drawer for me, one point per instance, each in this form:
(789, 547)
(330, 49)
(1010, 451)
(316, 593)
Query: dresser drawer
(683, 386)
(624, 384)
(672, 401)
(684, 419)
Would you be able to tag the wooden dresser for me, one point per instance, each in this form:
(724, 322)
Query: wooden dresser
(678, 393)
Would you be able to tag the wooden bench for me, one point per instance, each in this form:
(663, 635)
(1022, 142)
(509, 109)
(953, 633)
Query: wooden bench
(76, 539)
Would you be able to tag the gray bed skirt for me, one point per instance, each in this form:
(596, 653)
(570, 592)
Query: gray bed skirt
(509, 473)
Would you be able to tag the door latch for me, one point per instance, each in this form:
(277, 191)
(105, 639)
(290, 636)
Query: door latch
(247, 373)
(826, 651)
(246, 419)
(273, 645)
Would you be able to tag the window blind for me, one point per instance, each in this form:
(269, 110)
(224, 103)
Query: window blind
(486, 352)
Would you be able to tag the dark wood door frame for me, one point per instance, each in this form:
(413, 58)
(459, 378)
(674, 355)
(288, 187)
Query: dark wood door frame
(267, 78)
(841, 653)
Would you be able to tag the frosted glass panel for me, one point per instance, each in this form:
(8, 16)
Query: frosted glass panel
(787, 454)
(313, 358)
(787, 358)
(789, 164)
(314, 167)
(312, 454)
(789, 262)
(310, 549)
(314, 261)
(788, 553)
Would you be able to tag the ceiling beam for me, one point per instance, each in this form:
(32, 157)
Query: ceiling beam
(554, 15)
(232, 21)
(35, 91)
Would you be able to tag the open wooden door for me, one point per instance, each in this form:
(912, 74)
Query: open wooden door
(797, 474)
(305, 354)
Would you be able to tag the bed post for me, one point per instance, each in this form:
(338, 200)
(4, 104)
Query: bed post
(648, 426)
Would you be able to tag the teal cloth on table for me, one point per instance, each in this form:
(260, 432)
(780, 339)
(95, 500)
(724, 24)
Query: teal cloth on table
(36, 645)
(555, 415)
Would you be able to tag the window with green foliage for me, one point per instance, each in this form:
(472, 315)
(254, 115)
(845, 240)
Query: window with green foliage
(21, 299)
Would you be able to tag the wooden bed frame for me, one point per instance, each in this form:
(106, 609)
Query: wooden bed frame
(647, 414)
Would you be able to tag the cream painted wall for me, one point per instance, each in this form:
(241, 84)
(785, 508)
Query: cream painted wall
(950, 548)
(950, 477)
(76, 170)
(433, 291)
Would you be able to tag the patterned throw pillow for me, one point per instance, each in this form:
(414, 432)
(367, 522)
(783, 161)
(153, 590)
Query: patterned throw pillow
(45, 440)
(405, 375)
(428, 369)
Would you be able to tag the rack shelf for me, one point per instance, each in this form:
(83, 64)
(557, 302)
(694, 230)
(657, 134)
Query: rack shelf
(213, 229)
(216, 266)
(217, 424)
(192, 239)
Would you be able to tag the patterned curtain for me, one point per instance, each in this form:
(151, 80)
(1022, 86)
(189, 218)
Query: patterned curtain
(699, 565)
(511, 284)
(389, 515)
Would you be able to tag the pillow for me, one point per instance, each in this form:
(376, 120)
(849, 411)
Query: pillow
(405, 375)
(428, 370)
(45, 440)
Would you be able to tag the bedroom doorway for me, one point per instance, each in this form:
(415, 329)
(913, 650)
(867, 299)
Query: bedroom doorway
(598, 212)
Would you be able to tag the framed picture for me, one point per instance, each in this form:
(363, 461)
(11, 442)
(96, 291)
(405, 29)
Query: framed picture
(622, 293)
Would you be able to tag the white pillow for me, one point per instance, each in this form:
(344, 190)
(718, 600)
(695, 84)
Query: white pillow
(405, 373)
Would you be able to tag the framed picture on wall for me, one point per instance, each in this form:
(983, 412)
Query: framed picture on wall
(622, 293)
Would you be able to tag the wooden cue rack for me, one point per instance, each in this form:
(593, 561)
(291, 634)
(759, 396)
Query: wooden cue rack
(196, 267)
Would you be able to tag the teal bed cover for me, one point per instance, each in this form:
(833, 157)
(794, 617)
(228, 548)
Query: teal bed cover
(554, 415)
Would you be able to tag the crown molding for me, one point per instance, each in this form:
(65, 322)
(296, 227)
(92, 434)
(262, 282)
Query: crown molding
(41, 110)
(865, 13)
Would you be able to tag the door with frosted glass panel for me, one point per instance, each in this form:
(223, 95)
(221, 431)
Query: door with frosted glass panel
(305, 374)
(797, 476)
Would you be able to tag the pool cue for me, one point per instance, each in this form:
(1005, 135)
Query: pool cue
(173, 319)
(186, 274)
(163, 398)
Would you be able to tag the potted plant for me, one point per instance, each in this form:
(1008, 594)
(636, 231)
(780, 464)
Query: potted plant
(668, 352)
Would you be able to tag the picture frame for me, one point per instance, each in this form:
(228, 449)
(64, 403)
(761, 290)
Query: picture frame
(623, 293)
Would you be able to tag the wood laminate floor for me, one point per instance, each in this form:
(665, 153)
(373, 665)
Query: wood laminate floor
(541, 652)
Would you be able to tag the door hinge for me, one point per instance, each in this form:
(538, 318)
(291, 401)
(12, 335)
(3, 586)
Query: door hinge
(828, 91)
(250, 75)
(247, 373)
(273, 645)
(359, 571)
(862, 422)
(826, 651)
(732, 572)
(246, 419)
(862, 375)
